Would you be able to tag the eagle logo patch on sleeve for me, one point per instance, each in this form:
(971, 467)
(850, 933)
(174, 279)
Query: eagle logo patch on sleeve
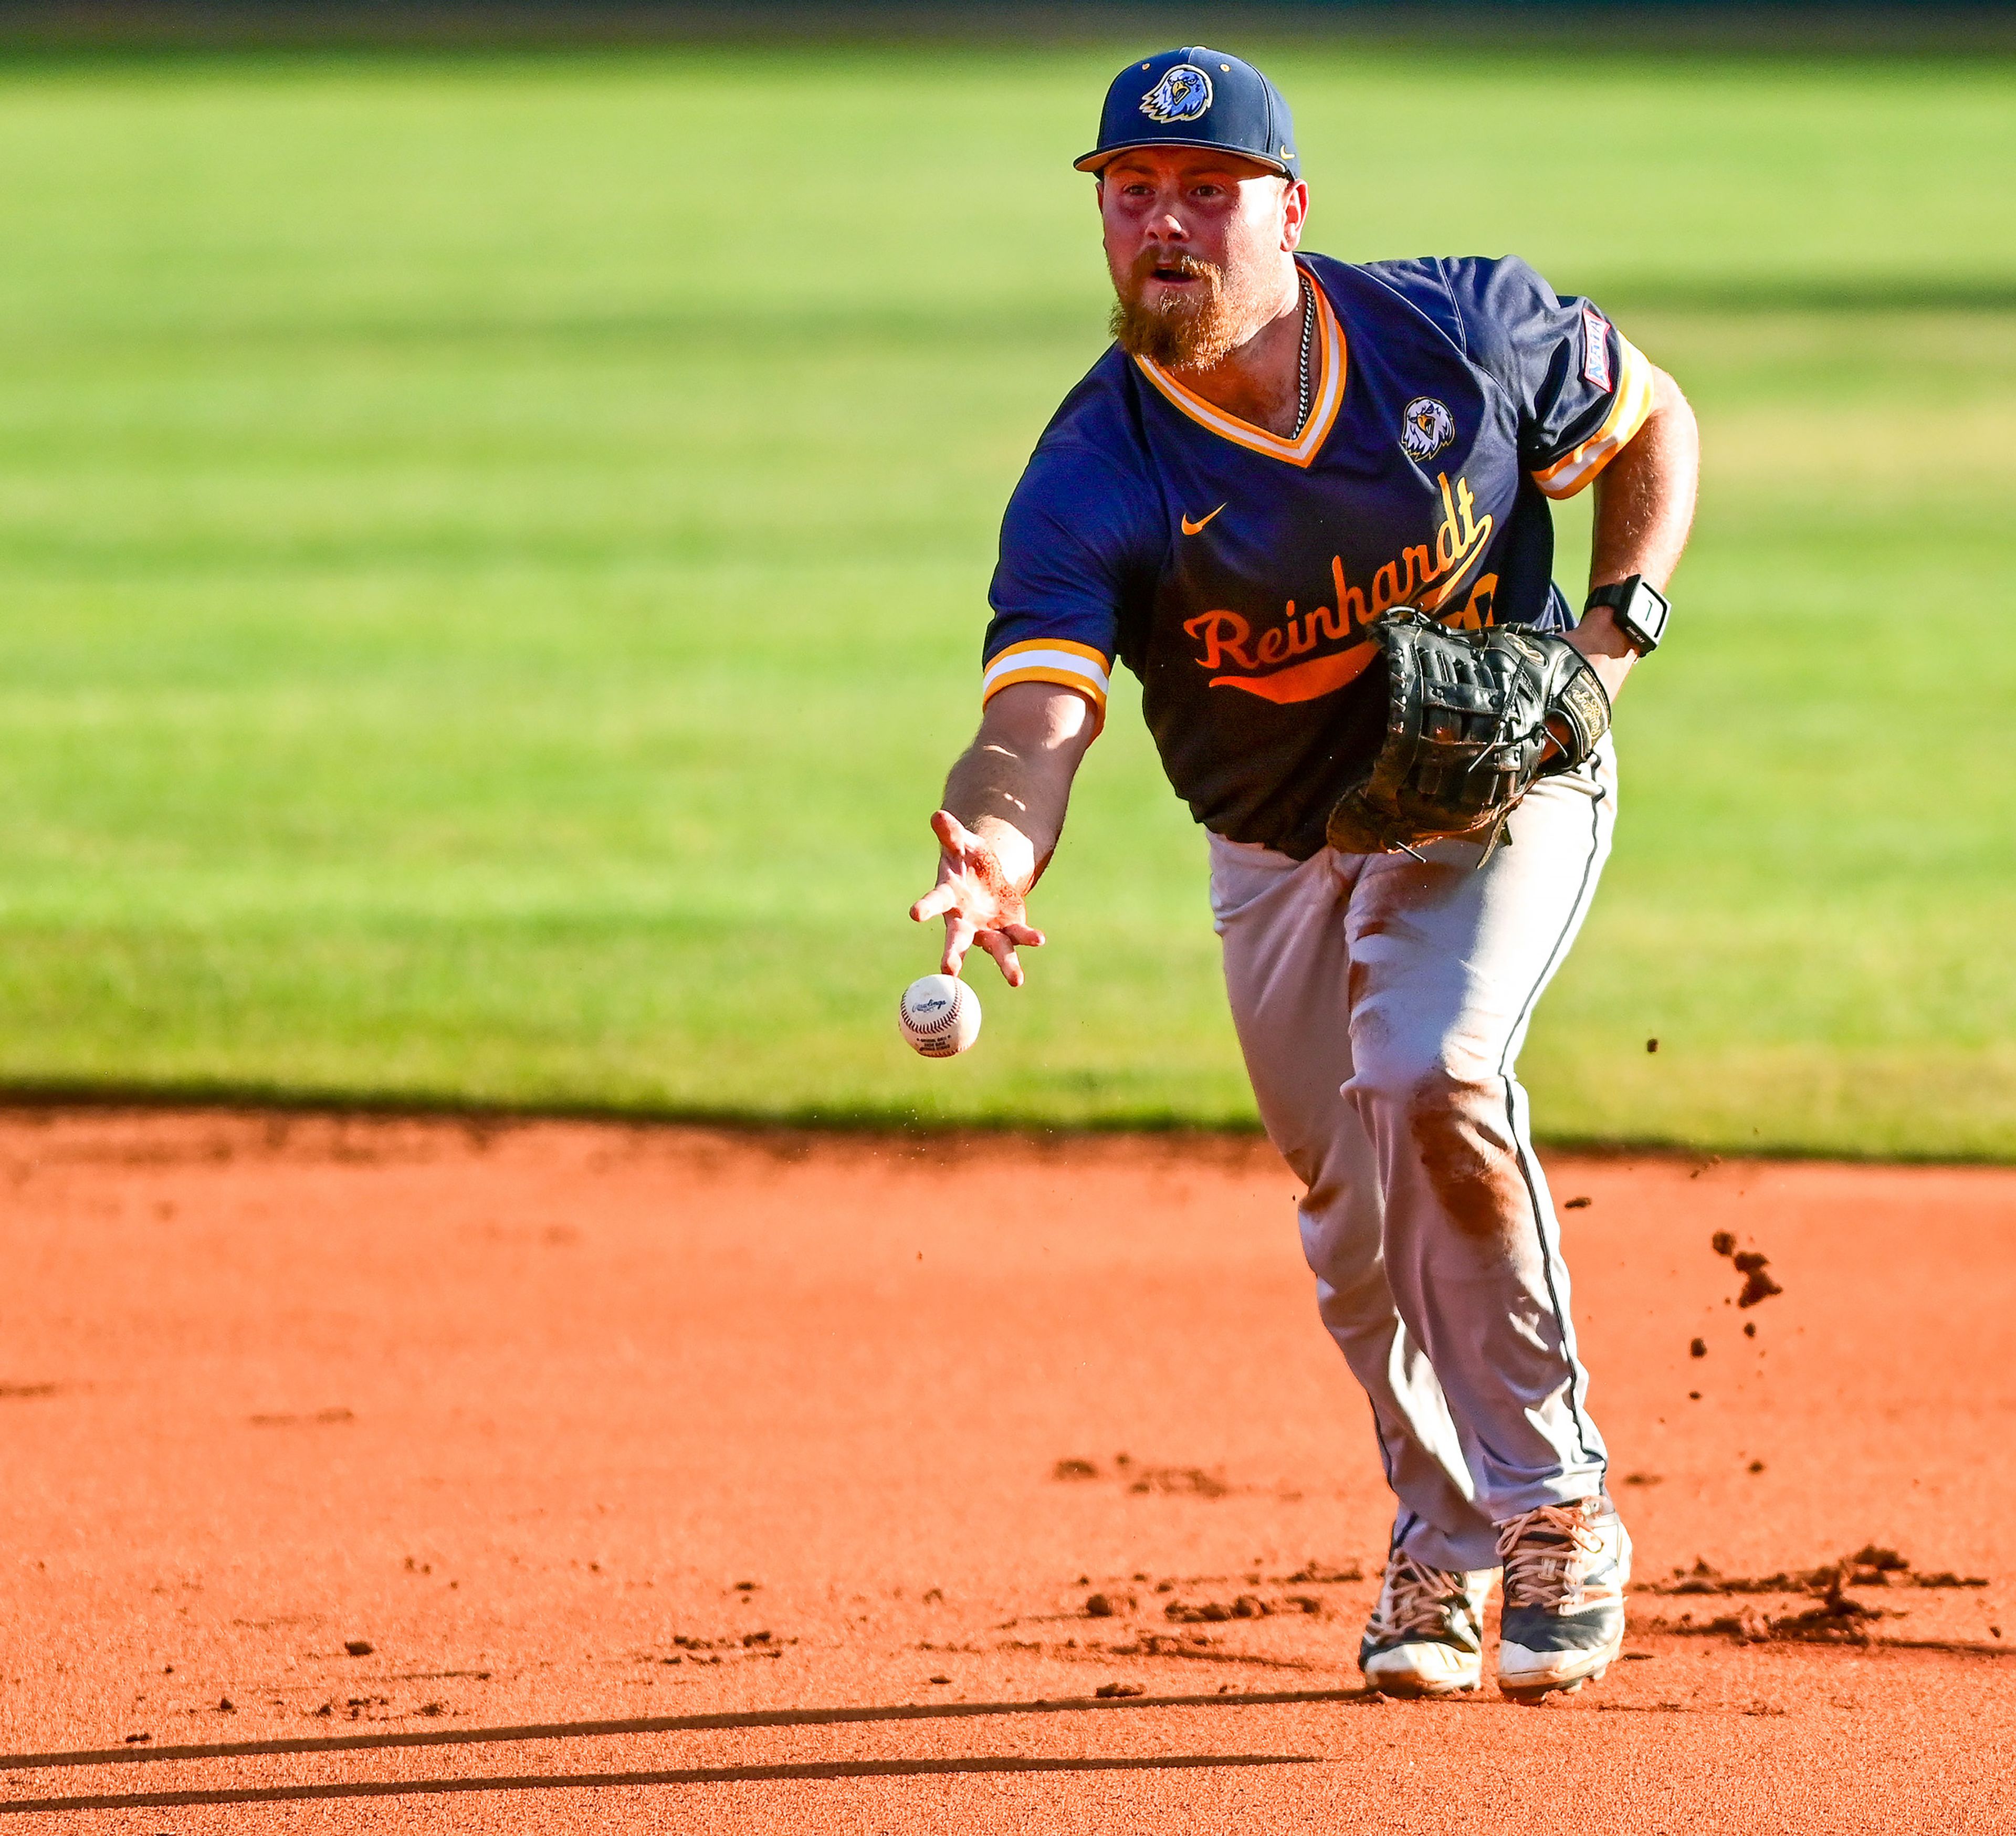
(1183, 94)
(1426, 427)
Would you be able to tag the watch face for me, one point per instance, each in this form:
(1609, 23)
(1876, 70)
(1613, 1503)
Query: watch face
(1643, 614)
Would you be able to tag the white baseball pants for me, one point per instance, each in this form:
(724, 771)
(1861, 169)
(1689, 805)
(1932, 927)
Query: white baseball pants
(1380, 1004)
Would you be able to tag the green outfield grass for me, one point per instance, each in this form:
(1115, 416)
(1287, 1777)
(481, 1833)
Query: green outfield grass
(494, 557)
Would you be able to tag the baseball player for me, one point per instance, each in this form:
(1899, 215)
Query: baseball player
(1280, 455)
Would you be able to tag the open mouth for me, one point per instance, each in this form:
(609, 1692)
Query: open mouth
(1173, 268)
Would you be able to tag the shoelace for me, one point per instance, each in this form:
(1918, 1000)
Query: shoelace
(1539, 1550)
(1416, 1598)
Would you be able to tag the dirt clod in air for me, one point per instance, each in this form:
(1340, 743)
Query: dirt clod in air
(1074, 1469)
(1578, 1204)
(1106, 1692)
(1750, 1328)
(359, 1647)
(1723, 1242)
(1644, 1479)
(1757, 1466)
(1697, 1349)
(1651, 1044)
(1757, 1286)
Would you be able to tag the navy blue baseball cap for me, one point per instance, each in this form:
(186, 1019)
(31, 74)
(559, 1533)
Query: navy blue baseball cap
(1196, 97)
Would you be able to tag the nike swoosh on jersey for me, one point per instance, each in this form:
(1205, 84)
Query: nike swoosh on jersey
(1195, 528)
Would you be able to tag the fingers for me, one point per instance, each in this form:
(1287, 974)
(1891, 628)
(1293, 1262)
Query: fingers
(959, 940)
(1003, 953)
(953, 835)
(941, 899)
(970, 868)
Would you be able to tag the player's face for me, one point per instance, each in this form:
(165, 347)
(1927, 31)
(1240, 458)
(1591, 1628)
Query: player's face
(1196, 242)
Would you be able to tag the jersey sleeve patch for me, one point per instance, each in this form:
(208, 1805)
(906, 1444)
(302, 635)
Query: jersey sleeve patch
(1629, 407)
(1049, 659)
(1595, 349)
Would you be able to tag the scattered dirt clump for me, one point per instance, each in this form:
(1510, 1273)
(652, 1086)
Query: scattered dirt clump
(1181, 1482)
(1320, 1575)
(1837, 1618)
(1247, 1606)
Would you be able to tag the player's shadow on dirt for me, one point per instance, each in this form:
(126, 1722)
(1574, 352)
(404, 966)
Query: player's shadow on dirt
(666, 1724)
(715, 1775)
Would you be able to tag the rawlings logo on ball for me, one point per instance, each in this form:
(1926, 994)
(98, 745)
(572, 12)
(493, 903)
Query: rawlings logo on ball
(1183, 94)
(1426, 427)
(939, 1015)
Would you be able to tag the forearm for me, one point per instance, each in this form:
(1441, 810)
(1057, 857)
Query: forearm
(1012, 786)
(1644, 508)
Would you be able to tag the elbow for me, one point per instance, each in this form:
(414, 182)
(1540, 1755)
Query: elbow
(1670, 405)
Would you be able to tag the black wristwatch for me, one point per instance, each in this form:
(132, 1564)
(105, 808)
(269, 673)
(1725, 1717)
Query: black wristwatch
(1641, 610)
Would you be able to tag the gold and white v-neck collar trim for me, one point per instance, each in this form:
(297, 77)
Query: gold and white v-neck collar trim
(1323, 414)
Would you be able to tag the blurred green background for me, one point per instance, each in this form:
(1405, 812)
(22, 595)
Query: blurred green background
(495, 549)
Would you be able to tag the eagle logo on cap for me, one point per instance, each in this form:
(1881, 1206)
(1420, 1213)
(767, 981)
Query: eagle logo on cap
(1183, 94)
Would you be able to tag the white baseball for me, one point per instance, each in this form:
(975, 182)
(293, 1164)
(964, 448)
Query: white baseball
(940, 1016)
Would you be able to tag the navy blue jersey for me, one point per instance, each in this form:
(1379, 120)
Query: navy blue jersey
(1234, 572)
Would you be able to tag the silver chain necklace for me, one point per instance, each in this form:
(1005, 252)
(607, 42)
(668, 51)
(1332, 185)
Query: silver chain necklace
(1308, 340)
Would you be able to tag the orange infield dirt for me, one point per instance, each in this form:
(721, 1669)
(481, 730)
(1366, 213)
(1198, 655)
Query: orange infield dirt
(370, 1475)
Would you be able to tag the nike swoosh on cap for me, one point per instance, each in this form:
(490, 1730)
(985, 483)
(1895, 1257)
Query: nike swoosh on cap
(1190, 528)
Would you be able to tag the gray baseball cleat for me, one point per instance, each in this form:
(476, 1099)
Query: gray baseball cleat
(1566, 1568)
(1426, 1635)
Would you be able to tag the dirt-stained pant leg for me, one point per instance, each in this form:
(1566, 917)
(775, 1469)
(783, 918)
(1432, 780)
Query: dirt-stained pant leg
(1284, 925)
(1381, 1004)
(1448, 962)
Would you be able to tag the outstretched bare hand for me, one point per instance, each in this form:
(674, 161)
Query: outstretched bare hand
(979, 900)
